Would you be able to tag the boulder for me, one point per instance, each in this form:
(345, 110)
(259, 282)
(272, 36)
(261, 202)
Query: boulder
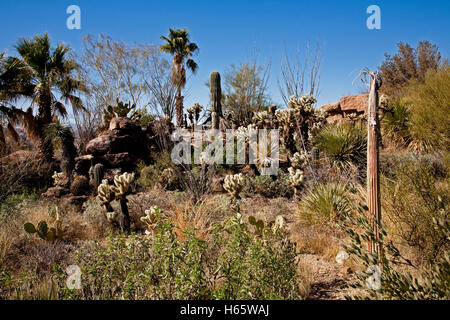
(335, 118)
(331, 107)
(119, 147)
(354, 103)
(55, 192)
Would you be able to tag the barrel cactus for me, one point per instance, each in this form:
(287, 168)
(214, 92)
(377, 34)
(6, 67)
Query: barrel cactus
(216, 97)
(79, 186)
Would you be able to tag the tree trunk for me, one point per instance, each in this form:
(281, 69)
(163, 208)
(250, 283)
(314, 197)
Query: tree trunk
(126, 215)
(373, 182)
(179, 107)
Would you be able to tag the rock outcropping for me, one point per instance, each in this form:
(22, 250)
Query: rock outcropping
(117, 148)
(348, 105)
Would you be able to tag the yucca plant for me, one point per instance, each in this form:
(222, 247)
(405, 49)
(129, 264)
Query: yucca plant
(325, 202)
(395, 123)
(343, 143)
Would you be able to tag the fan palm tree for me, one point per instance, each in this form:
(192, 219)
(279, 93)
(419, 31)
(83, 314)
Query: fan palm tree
(178, 45)
(40, 75)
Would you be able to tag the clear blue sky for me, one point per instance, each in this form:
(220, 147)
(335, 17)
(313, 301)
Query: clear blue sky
(226, 31)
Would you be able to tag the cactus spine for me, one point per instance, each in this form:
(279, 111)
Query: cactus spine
(216, 96)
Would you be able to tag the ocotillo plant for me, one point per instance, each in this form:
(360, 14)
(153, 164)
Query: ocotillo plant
(216, 96)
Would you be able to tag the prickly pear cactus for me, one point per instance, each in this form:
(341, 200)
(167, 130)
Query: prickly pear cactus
(234, 184)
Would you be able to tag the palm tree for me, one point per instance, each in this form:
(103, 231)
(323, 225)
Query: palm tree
(180, 47)
(40, 75)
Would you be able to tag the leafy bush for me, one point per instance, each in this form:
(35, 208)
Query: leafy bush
(233, 263)
(395, 123)
(15, 202)
(325, 202)
(387, 278)
(414, 191)
(343, 143)
(430, 107)
(150, 175)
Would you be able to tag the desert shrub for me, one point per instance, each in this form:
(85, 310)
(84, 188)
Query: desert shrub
(150, 175)
(269, 186)
(325, 202)
(343, 143)
(407, 65)
(430, 107)
(413, 193)
(15, 202)
(23, 173)
(395, 123)
(233, 263)
(390, 276)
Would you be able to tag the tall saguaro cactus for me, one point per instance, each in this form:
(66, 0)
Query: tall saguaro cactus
(373, 182)
(216, 96)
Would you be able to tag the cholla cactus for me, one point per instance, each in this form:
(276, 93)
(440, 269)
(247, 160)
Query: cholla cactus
(105, 194)
(122, 184)
(286, 117)
(168, 176)
(234, 184)
(243, 132)
(108, 193)
(261, 117)
(298, 160)
(111, 216)
(304, 103)
(151, 218)
(57, 176)
(295, 177)
(278, 224)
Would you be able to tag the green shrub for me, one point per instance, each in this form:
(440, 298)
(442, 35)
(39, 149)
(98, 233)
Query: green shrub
(430, 107)
(16, 201)
(343, 143)
(395, 123)
(391, 279)
(233, 263)
(414, 191)
(150, 175)
(325, 202)
(269, 186)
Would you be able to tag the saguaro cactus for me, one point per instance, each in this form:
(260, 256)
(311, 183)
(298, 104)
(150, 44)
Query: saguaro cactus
(216, 96)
